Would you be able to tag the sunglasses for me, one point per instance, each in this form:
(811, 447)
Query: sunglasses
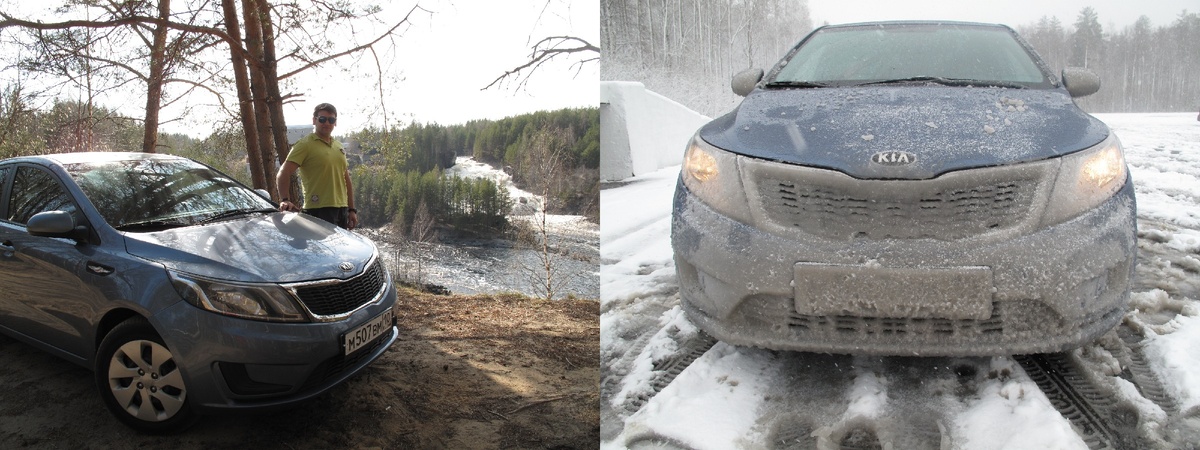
(323, 119)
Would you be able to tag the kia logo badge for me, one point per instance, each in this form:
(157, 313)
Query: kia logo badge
(893, 158)
(346, 266)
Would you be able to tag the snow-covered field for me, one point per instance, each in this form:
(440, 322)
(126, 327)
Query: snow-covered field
(734, 397)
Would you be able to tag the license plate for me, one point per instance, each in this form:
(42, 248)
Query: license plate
(367, 332)
(865, 291)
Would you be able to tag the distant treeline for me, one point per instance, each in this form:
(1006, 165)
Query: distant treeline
(688, 50)
(399, 177)
(63, 126)
(523, 144)
(420, 204)
(73, 126)
(1142, 67)
(424, 147)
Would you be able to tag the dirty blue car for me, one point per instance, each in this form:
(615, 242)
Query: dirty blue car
(185, 291)
(906, 188)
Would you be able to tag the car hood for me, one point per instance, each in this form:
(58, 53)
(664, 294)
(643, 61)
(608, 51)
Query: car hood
(275, 247)
(939, 128)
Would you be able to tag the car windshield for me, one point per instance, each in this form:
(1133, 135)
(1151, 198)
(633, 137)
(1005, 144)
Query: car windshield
(922, 53)
(158, 193)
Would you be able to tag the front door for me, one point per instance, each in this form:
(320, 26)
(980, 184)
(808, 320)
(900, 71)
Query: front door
(47, 299)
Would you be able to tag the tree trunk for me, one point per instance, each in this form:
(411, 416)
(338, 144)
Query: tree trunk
(274, 98)
(155, 81)
(245, 100)
(258, 86)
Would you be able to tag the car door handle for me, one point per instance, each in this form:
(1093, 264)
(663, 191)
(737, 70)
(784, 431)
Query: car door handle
(99, 269)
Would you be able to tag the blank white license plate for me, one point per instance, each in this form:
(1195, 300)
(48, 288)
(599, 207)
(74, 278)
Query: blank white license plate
(941, 292)
(367, 332)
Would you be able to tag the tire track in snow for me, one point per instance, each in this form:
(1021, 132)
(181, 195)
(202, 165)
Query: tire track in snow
(1142, 375)
(666, 369)
(1099, 418)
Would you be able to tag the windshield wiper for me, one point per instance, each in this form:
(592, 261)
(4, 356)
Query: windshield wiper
(236, 213)
(946, 82)
(796, 84)
(153, 225)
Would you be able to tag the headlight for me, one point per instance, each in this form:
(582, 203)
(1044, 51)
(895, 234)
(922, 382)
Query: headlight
(711, 174)
(259, 302)
(1085, 180)
(700, 165)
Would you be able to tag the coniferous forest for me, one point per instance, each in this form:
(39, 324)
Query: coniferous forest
(399, 177)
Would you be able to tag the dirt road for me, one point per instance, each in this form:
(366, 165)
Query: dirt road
(467, 372)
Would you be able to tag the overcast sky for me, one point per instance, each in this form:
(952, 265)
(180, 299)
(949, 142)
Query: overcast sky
(1013, 13)
(447, 56)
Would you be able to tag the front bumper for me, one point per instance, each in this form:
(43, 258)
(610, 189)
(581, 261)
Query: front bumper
(236, 364)
(1051, 289)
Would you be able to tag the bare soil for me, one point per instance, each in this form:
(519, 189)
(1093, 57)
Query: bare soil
(486, 371)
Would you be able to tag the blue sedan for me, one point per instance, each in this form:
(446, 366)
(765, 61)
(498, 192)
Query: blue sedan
(907, 188)
(185, 291)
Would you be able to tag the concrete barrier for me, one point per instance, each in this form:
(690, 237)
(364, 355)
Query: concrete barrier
(641, 131)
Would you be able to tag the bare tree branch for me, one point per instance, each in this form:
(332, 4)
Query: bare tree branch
(389, 32)
(545, 51)
(379, 73)
(7, 21)
(197, 85)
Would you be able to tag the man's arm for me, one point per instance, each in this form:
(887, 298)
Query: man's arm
(352, 217)
(284, 180)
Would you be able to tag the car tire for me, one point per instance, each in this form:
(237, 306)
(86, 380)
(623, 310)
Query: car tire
(139, 380)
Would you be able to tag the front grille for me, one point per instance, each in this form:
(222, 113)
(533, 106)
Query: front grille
(994, 325)
(344, 296)
(950, 214)
(955, 206)
(1009, 319)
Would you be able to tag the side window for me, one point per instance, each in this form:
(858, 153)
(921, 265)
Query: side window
(3, 183)
(35, 191)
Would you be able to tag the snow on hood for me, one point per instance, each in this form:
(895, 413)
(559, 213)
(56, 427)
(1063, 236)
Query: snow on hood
(945, 128)
(276, 247)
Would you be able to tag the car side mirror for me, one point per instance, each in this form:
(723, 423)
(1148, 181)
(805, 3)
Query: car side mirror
(1080, 82)
(58, 224)
(745, 81)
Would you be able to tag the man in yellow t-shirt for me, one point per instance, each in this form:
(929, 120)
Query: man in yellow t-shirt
(324, 173)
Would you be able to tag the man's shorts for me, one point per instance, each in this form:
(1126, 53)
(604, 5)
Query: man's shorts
(339, 216)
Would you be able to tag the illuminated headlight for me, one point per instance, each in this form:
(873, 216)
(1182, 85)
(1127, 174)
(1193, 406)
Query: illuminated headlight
(700, 165)
(1086, 179)
(711, 174)
(265, 302)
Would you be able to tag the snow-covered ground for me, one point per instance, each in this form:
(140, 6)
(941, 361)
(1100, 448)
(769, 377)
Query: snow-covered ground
(735, 397)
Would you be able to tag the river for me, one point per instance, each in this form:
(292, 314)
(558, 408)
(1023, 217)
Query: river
(498, 265)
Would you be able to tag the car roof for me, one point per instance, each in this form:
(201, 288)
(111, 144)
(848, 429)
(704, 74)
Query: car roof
(893, 23)
(88, 157)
